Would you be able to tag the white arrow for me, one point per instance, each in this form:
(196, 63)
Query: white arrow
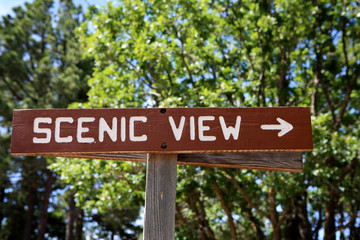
(284, 126)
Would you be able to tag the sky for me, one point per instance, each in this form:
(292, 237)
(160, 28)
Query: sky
(7, 5)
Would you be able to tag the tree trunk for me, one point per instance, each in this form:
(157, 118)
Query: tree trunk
(305, 225)
(274, 217)
(79, 224)
(2, 198)
(354, 232)
(283, 83)
(30, 211)
(297, 224)
(314, 96)
(70, 218)
(45, 204)
(329, 229)
(291, 228)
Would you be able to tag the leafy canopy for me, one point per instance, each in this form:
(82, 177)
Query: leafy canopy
(233, 53)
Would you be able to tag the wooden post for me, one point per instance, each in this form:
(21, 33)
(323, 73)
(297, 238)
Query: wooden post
(160, 196)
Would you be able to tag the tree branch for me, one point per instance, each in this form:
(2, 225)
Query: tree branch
(323, 88)
(242, 39)
(226, 209)
(348, 168)
(349, 89)
(351, 82)
(274, 218)
(262, 71)
(244, 194)
(178, 36)
(179, 215)
(314, 95)
(318, 225)
(255, 224)
(192, 204)
(282, 219)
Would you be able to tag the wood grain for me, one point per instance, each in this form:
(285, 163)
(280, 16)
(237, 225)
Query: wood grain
(273, 161)
(281, 161)
(160, 196)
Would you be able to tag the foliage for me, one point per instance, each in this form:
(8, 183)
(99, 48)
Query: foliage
(41, 67)
(230, 53)
(112, 192)
(191, 53)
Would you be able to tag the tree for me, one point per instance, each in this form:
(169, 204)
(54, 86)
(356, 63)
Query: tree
(41, 67)
(229, 53)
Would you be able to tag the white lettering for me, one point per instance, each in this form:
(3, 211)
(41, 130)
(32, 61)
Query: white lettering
(123, 129)
(192, 128)
(81, 130)
(104, 127)
(132, 136)
(47, 131)
(227, 131)
(58, 122)
(203, 128)
(177, 131)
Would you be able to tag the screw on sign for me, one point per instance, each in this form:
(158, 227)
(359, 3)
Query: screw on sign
(254, 138)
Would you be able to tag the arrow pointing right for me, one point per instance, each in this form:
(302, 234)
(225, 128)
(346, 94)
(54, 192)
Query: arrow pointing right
(284, 126)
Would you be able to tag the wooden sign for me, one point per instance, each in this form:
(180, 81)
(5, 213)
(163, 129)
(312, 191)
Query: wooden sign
(254, 138)
(166, 130)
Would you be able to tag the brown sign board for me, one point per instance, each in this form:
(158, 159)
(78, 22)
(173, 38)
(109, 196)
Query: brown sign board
(166, 130)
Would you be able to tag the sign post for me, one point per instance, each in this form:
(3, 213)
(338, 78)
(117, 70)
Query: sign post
(160, 196)
(252, 138)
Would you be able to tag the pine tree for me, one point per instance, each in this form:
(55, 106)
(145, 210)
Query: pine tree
(41, 67)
